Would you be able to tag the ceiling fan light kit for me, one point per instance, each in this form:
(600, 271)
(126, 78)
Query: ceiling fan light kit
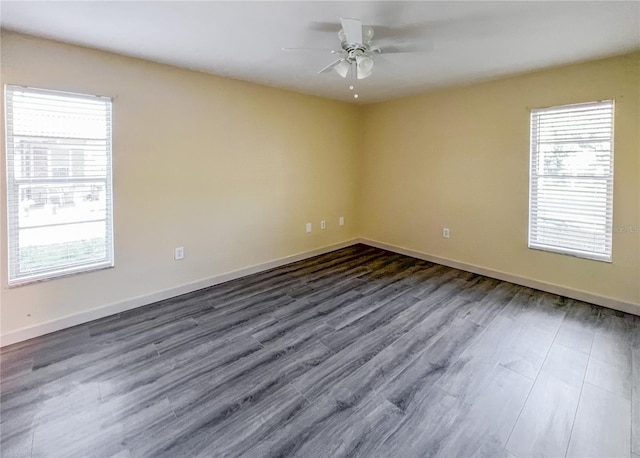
(355, 40)
(357, 53)
(342, 68)
(365, 66)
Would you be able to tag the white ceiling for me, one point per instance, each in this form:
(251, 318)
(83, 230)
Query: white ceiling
(469, 40)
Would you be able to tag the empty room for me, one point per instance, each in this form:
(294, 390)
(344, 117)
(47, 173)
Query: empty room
(316, 229)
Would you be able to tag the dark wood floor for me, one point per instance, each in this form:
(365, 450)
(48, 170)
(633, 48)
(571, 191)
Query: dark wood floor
(358, 352)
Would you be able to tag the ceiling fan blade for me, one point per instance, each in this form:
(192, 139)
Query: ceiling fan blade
(402, 48)
(382, 32)
(332, 27)
(352, 29)
(405, 32)
(329, 67)
(323, 50)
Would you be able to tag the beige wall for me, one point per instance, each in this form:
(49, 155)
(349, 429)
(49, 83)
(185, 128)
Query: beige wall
(459, 158)
(233, 171)
(230, 170)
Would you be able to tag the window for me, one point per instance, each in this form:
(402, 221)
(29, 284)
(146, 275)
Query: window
(58, 183)
(571, 180)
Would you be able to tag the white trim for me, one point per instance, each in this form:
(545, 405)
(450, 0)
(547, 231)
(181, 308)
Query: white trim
(604, 301)
(139, 301)
(128, 304)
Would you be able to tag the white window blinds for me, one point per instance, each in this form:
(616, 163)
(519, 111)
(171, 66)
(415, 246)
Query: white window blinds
(58, 183)
(571, 180)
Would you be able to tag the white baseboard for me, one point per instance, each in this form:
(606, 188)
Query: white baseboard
(608, 302)
(128, 304)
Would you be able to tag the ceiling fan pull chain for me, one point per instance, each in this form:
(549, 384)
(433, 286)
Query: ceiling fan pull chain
(354, 78)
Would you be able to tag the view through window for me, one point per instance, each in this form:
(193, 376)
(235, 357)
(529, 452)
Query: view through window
(58, 183)
(571, 180)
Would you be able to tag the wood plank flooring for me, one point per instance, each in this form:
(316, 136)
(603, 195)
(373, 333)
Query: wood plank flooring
(359, 352)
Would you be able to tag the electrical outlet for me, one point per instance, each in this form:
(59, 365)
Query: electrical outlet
(179, 253)
(308, 227)
(341, 221)
(445, 232)
(323, 224)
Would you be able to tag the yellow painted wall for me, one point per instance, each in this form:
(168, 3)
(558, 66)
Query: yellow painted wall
(230, 170)
(459, 158)
(233, 171)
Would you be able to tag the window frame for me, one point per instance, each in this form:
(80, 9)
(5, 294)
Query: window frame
(14, 276)
(534, 161)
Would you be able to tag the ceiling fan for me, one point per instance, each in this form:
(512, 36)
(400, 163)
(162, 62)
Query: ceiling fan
(357, 54)
(358, 51)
